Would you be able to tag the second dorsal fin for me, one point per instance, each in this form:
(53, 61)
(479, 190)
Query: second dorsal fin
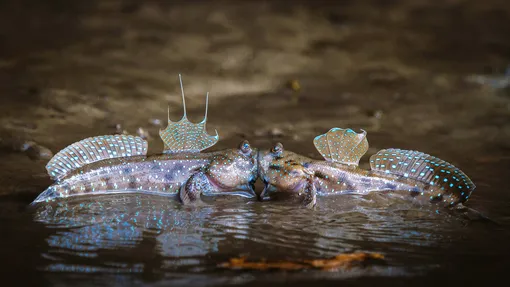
(94, 149)
(185, 136)
(425, 168)
(342, 145)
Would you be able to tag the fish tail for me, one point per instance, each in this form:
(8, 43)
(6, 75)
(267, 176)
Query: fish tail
(47, 195)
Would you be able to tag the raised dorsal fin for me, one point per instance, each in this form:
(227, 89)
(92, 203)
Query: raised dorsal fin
(342, 145)
(94, 149)
(185, 136)
(425, 168)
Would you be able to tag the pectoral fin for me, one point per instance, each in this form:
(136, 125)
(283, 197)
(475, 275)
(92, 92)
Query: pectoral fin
(310, 194)
(197, 184)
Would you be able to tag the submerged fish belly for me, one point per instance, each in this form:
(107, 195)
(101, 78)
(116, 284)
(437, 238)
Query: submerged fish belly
(337, 180)
(357, 181)
(160, 176)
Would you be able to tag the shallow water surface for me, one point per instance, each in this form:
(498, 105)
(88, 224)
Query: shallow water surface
(132, 238)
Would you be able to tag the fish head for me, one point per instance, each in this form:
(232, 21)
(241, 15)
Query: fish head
(235, 171)
(282, 172)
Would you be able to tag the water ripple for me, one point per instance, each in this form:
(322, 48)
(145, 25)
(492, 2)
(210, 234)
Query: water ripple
(134, 233)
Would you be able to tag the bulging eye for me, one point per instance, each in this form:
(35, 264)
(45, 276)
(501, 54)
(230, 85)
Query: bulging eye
(245, 147)
(277, 149)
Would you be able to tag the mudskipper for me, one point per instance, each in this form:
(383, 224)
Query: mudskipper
(424, 177)
(120, 164)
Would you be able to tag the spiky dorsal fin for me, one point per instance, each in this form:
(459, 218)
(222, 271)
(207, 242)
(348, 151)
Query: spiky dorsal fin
(342, 145)
(94, 149)
(185, 136)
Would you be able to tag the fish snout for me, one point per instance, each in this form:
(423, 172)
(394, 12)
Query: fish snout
(264, 158)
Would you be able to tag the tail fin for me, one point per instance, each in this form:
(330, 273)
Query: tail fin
(425, 168)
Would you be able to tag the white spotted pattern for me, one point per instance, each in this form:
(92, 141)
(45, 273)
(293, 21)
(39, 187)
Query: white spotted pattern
(92, 150)
(342, 145)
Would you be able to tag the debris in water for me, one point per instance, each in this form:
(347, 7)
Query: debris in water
(341, 261)
(294, 85)
(260, 133)
(344, 260)
(32, 149)
(155, 122)
(143, 133)
(375, 119)
(377, 114)
(240, 263)
(118, 129)
(36, 151)
(274, 131)
(296, 88)
(494, 81)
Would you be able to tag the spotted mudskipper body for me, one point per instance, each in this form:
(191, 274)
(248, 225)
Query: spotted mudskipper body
(424, 177)
(120, 164)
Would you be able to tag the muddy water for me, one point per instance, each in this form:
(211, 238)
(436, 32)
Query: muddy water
(401, 71)
(134, 239)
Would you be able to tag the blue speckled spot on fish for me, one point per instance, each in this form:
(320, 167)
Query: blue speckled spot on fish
(93, 149)
(184, 136)
(342, 145)
(422, 171)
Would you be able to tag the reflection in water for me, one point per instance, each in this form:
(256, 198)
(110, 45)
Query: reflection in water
(152, 234)
(86, 227)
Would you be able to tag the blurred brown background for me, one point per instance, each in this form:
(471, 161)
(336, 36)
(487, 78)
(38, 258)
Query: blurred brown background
(405, 71)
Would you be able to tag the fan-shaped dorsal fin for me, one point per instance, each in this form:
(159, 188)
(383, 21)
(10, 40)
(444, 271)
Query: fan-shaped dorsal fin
(185, 136)
(342, 145)
(94, 149)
